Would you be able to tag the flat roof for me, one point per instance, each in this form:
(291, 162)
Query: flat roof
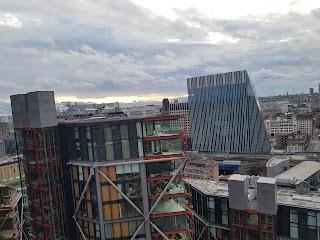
(285, 196)
(102, 119)
(267, 180)
(301, 171)
(276, 160)
(238, 177)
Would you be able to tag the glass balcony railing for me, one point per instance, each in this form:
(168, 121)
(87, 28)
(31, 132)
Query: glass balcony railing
(157, 186)
(163, 147)
(163, 128)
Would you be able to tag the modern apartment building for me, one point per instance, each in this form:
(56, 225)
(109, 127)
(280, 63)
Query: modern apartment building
(127, 177)
(10, 205)
(35, 124)
(241, 209)
(225, 116)
(102, 177)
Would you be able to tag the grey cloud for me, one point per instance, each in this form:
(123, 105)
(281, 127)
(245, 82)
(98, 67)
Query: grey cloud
(103, 48)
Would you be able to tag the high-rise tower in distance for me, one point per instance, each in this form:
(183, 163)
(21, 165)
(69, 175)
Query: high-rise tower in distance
(224, 114)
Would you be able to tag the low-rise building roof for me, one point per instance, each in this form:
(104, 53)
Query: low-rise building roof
(285, 196)
(301, 172)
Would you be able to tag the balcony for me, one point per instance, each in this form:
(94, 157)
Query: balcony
(164, 169)
(156, 187)
(163, 148)
(163, 127)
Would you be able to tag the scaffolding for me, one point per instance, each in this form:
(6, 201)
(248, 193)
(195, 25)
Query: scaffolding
(41, 165)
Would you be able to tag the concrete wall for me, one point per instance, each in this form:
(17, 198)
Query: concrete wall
(238, 191)
(267, 196)
(36, 109)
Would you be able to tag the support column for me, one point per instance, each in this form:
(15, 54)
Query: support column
(100, 207)
(145, 200)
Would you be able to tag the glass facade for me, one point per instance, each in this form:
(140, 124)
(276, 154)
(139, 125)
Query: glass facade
(225, 116)
(215, 212)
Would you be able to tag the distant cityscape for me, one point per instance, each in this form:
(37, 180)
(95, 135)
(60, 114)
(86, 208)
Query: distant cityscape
(223, 165)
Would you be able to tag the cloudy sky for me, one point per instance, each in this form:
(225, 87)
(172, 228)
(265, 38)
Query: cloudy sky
(121, 50)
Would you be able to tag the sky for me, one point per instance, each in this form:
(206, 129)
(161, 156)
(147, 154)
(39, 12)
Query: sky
(141, 51)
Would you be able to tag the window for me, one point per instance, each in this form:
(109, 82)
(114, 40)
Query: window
(80, 170)
(90, 151)
(109, 150)
(211, 208)
(294, 231)
(85, 227)
(293, 216)
(312, 220)
(140, 148)
(83, 208)
(224, 209)
(78, 151)
(97, 230)
(125, 149)
(108, 230)
(134, 225)
(76, 133)
(124, 132)
(129, 168)
(294, 224)
(88, 133)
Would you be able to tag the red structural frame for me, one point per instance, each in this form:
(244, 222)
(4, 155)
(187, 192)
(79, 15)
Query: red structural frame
(47, 200)
(180, 176)
(244, 228)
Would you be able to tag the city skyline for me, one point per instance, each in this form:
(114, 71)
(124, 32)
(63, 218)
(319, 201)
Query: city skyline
(93, 49)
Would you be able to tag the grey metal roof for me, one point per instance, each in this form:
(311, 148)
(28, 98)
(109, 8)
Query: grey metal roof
(302, 171)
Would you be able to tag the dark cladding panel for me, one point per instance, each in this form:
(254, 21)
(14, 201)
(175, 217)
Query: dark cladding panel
(99, 140)
(83, 143)
(41, 109)
(283, 222)
(117, 147)
(133, 140)
(19, 110)
(303, 219)
(67, 150)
